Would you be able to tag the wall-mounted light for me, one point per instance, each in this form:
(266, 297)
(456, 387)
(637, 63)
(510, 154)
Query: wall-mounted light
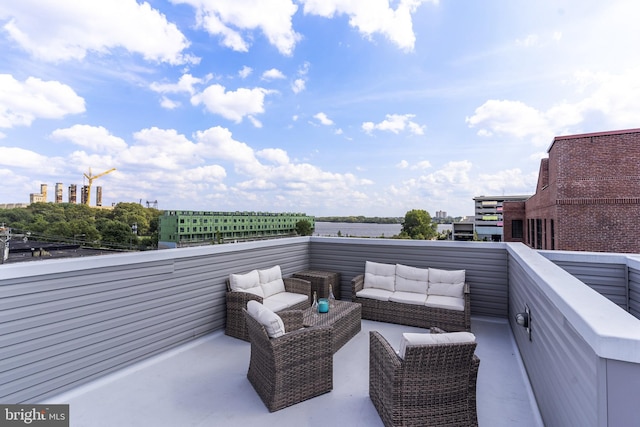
(524, 319)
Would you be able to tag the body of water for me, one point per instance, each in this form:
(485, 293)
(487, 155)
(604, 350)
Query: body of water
(357, 229)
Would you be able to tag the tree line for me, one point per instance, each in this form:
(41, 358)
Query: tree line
(126, 225)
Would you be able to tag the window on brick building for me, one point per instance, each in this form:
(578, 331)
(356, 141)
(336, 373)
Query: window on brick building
(516, 229)
(538, 234)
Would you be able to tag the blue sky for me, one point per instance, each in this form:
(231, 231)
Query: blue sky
(328, 107)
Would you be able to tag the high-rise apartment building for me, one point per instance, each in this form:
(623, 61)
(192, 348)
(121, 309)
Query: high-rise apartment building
(489, 219)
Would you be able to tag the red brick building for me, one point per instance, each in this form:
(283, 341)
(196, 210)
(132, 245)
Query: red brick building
(587, 197)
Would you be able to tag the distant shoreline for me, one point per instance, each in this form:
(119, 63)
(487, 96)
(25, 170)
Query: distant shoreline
(361, 219)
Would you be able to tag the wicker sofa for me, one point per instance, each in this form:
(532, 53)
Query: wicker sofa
(413, 296)
(267, 287)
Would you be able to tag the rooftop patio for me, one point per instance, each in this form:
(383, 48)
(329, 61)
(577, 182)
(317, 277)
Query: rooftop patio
(128, 337)
(204, 383)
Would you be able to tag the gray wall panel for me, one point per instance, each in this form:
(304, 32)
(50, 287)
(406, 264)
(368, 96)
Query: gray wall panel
(66, 323)
(634, 291)
(610, 280)
(562, 367)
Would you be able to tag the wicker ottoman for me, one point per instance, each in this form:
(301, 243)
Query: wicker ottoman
(320, 281)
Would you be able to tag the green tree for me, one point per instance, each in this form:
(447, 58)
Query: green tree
(115, 233)
(132, 213)
(304, 228)
(417, 225)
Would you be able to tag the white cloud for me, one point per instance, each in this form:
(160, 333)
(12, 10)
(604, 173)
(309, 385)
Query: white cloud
(220, 143)
(508, 117)
(19, 157)
(530, 40)
(275, 155)
(95, 138)
(245, 72)
(298, 85)
(371, 17)
(403, 164)
(615, 97)
(63, 30)
(273, 74)
(186, 84)
(395, 123)
(23, 102)
(510, 181)
(424, 164)
(232, 105)
(323, 119)
(169, 104)
(232, 19)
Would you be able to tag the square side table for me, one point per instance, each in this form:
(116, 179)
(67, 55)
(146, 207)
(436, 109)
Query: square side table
(320, 281)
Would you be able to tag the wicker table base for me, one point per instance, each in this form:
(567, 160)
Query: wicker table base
(344, 318)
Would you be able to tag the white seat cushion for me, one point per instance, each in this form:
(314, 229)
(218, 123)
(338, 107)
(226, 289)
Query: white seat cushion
(449, 283)
(272, 323)
(379, 276)
(248, 282)
(274, 305)
(409, 339)
(450, 303)
(288, 298)
(411, 279)
(373, 293)
(408, 298)
(271, 281)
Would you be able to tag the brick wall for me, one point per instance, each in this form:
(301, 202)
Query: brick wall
(589, 187)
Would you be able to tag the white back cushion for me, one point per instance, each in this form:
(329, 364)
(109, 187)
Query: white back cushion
(380, 276)
(430, 339)
(248, 282)
(448, 283)
(411, 279)
(271, 281)
(272, 323)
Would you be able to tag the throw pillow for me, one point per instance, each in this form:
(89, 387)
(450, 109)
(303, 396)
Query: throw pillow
(272, 323)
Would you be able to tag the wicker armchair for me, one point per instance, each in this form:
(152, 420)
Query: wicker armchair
(292, 368)
(434, 385)
(237, 301)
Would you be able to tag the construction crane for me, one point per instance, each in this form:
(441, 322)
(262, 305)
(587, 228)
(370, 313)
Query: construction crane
(91, 177)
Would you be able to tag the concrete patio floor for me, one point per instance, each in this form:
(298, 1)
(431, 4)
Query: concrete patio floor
(203, 383)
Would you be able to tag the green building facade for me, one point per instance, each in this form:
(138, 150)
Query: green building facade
(186, 228)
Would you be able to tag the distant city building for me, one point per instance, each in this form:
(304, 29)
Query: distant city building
(13, 205)
(462, 231)
(489, 221)
(441, 214)
(186, 228)
(39, 197)
(59, 192)
(587, 197)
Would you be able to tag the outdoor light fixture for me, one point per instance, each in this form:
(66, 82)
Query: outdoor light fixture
(524, 320)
